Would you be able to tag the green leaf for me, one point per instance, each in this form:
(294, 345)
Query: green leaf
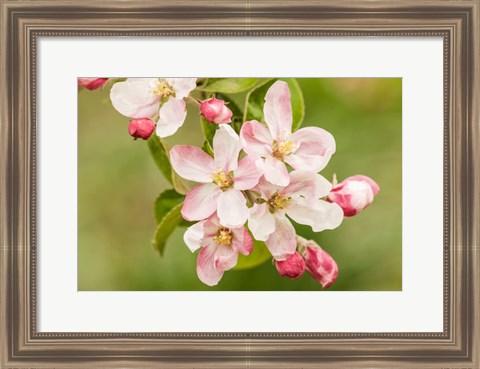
(159, 151)
(259, 255)
(256, 99)
(228, 85)
(209, 130)
(298, 103)
(207, 148)
(237, 117)
(182, 186)
(167, 200)
(165, 228)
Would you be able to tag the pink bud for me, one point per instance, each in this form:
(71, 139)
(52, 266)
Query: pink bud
(293, 267)
(215, 111)
(320, 265)
(141, 128)
(354, 194)
(92, 83)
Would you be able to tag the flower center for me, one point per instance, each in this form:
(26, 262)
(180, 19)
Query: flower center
(283, 148)
(163, 89)
(223, 237)
(277, 202)
(222, 179)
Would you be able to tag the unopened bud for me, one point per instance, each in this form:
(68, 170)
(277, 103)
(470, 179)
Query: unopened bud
(216, 111)
(293, 267)
(92, 83)
(141, 128)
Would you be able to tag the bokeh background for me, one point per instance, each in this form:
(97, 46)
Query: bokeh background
(118, 182)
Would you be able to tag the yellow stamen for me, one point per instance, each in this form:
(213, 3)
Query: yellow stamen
(223, 237)
(163, 89)
(283, 148)
(222, 179)
(278, 202)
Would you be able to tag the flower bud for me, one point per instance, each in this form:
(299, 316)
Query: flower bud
(320, 264)
(215, 111)
(141, 128)
(293, 267)
(92, 83)
(354, 194)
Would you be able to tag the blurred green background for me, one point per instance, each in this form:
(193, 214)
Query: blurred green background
(118, 182)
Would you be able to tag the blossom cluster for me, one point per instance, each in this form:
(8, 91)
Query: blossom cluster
(254, 184)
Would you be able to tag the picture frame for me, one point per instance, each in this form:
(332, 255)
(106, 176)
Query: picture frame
(24, 22)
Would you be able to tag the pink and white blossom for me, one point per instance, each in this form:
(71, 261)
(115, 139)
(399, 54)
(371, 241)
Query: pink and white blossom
(307, 149)
(222, 178)
(92, 83)
(301, 201)
(293, 267)
(216, 111)
(141, 128)
(147, 97)
(354, 194)
(319, 263)
(219, 247)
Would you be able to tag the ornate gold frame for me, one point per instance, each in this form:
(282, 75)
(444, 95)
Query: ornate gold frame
(23, 22)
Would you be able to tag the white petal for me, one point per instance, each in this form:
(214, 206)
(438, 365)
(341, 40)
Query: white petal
(200, 202)
(307, 184)
(134, 98)
(192, 163)
(193, 235)
(282, 243)
(276, 172)
(261, 222)
(318, 214)
(172, 116)
(232, 208)
(278, 110)
(247, 174)
(226, 147)
(182, 86)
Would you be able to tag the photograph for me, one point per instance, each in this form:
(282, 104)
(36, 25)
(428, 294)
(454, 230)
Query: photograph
(239, 184)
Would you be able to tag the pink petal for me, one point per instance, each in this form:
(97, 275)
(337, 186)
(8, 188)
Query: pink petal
(133, 98)
(318, 214)
(172, 116)
(200, 202)
(261, 222)
(256, 139)
(282, 243)
(182, 86)
(193, 235)
(278, 110)
(247, 174)
(226, 147)
(232, 208)
(207, 272)
(211, 226)
(192, 163)
(242, 240)
(226, 257)
(315, 148)
(276, 172)
(265, 188)
(307, 184)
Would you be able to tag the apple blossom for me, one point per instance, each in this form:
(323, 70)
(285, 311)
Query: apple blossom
(141, 128)
(354, 194)
(219, 247)
(147, 97)
(216, 111)
(92, 83)
(307, 149)
(293, 267)
(319, 263)
(222, 178)
(301, 201)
